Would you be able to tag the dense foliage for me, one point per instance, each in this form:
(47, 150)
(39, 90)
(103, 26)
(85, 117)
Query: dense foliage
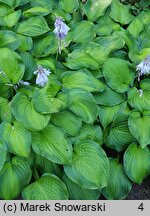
(74, 98)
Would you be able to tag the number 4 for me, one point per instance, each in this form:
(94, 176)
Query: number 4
(141, 207)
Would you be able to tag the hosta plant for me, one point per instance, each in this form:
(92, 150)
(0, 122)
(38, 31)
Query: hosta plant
(74, 98)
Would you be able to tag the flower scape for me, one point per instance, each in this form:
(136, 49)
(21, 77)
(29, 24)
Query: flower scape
(74, 98)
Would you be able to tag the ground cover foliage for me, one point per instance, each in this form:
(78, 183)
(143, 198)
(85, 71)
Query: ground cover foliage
(74, 111)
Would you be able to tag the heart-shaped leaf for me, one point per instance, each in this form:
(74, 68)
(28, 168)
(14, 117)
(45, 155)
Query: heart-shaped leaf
(48, 187)
(24, 112)
(119, 136)
(81, 79)
(78, 193)
(90, 166)
(118, 185)
(13, 71)
(33, 26)
(67, 121)
(112, 69)
(17, 138)
(137, 163)
(52, 144)
(139, 125)
(13, 177)
(3, 151)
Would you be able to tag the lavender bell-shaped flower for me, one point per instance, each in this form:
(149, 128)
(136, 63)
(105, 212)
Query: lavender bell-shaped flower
(61, 31)
(144, 67)
(42, 76)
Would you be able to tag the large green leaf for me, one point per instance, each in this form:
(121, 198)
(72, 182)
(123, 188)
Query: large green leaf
(33, 26)
(3, 151)
(12, 18)
(69, 6)
(78, 59)
(109, 97)
(139, 125)
(24, 112)
(110, 43)
(121, 13)
(119, 136)
(9, 39)
(52, 144)
(118, 74)
(137, 163)
(11, 3)
(26, 43)
(43, 11)
(108, 114)
(48, 187)
(46, 166)
(76, 192)
(5, 110)
(13, 177)
(30, 65)
(83, 32)
(81, 79)
(15, 70)
(45, 45)
(90, 166)
(140, 98)
(44, 100)
(17, 138)
(118, 185)
(95, 9)
(67, 121)
(83, 104)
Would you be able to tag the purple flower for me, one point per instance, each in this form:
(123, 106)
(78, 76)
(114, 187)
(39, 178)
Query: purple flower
(42, 76)
(61, 29)
(144, 67)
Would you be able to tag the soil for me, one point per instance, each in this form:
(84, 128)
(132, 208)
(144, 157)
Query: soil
(140, 192)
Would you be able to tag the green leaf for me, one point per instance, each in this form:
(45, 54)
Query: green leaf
(33, 26)
(76, 192)
(5, 110)
(30, 65)
(69, 6)
(26, 43)
(90, 166)
(78, 59)
(118, 185)
(68, 121)
(44, 100)
(83, 32)
(43, 3)
(94, 9)
(45, 45)
(119, 136)
(137, 163)
(43, 11)
(48, 187)
(109, 97)
(136, 27)
(3, 151)
(15, 70)
(110, 43)
(12, 18)
(4, 10)
(9, 39)
(118, 74)
(81, 79)
(24, 112)
(46, 166)
(17, 138)
(139, 125)
(55, 146)
(80, 104)
(11, 3)
(137, 100)
(13, 177)
(121, 13)
(108, 114)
